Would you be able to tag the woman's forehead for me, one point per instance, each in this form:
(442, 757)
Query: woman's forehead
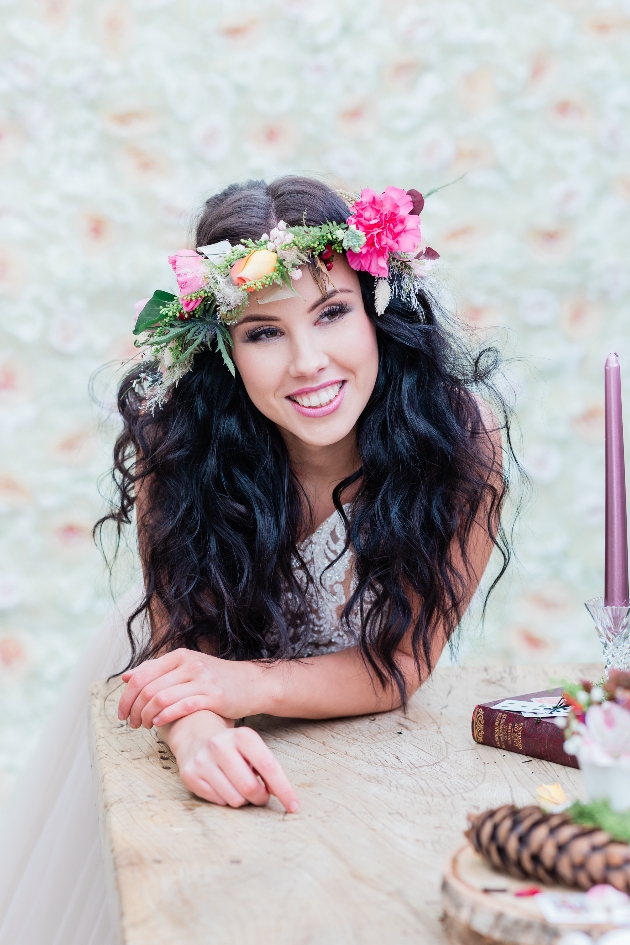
(307, 292)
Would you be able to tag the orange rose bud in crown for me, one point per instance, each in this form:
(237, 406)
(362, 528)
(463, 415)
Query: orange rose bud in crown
(262, 262)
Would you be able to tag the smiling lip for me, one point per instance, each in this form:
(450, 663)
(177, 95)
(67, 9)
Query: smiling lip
(320, 410)
(312, 390)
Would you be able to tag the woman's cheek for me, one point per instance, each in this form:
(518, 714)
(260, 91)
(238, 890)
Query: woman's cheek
(260, 365)
(359, 350)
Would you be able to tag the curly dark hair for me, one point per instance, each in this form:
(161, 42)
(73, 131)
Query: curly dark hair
(223, 511)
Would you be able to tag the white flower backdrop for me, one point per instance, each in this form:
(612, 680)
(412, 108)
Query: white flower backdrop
(118, 118)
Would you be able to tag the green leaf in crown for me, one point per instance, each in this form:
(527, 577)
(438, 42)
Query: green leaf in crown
(154, 311)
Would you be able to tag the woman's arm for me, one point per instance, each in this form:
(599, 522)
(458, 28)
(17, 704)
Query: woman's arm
(318, 687)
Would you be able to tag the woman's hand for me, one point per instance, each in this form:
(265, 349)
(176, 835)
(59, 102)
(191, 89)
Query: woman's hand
(162, 690)
(226, 765)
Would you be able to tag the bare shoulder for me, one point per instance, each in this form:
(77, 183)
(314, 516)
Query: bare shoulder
(488, 417)
(489, 433)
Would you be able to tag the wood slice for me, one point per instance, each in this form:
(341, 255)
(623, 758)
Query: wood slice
(480, 907)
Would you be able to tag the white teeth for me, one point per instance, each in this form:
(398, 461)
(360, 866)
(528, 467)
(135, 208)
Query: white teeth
(319, 398)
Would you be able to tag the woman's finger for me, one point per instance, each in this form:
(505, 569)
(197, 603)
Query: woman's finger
(261, 759)
(143, 676)
(160, 693)
(192, 701)
(204, 789)
(240, 775)
(214, 776)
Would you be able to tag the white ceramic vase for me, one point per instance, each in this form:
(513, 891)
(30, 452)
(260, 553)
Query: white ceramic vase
(608, 782)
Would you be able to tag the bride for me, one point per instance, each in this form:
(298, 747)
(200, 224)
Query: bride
(317, 487)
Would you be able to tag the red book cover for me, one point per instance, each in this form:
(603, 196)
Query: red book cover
(539, 738)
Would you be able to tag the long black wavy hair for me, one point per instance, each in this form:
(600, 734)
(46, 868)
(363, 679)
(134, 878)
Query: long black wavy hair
(223, 512)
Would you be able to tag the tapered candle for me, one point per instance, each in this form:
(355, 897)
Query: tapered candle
(616, 580)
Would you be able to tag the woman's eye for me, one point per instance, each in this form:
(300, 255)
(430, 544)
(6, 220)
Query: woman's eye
(333, 312)
(262, 334)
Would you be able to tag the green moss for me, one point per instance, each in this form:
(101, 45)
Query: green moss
(600, 814)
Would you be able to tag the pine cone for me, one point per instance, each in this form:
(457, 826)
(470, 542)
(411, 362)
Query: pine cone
(529, 844)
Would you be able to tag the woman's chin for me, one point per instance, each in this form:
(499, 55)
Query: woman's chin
(324, 431)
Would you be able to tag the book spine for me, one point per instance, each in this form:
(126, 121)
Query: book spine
(539, 738)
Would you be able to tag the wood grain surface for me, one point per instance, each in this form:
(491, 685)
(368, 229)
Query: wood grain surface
(481, 907)
(384, 802)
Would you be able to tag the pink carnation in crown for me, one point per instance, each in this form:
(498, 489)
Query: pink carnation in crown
(389, 227)
(189, 269)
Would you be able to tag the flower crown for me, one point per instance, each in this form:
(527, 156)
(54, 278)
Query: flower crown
(381, 236)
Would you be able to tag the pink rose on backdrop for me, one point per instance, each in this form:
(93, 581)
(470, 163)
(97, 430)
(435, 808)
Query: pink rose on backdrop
(389, 226)
(189, 268)
(138, 306)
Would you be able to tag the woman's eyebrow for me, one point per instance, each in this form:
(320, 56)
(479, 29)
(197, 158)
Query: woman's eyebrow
(328, 296)
(274, 318)
(258, 318)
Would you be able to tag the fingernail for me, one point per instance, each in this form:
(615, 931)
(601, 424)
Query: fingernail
(294, 807)
(156, 720)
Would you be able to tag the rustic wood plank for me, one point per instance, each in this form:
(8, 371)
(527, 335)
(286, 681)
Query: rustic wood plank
(384, 801)
(475, 916)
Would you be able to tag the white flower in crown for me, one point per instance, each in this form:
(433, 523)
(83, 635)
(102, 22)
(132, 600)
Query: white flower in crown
(382, 295)
(424, 262)
(278, 237)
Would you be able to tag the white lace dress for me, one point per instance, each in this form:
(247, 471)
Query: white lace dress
(52, 883)
(333, 583)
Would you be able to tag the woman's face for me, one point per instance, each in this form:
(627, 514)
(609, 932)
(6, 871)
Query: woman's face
(309, 363)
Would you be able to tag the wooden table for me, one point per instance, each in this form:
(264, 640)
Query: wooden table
(384, 801)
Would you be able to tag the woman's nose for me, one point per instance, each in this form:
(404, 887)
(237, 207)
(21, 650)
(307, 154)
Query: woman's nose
(307, 358)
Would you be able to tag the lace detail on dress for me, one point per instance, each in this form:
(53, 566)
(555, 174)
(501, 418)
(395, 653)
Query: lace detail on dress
(327, 595)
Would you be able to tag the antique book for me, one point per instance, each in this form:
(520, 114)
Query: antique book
(524, 724)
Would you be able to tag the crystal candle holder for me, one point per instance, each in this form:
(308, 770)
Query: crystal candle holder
(613, 629)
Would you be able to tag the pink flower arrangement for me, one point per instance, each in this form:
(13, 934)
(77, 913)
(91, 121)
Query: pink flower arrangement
(603, 737)
(389, 226)
(190, 272)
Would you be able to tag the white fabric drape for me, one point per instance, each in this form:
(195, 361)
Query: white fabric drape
(52, 880)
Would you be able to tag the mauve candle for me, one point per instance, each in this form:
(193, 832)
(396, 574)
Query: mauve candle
(616, 580)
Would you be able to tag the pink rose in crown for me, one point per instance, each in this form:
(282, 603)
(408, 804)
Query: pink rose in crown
(189, 269)
(389, 226)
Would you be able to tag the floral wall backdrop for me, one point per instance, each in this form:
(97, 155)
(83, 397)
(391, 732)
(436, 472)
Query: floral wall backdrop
(118, 118)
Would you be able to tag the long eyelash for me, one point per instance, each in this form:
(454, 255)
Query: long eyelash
(341, 308)
(255, 333)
